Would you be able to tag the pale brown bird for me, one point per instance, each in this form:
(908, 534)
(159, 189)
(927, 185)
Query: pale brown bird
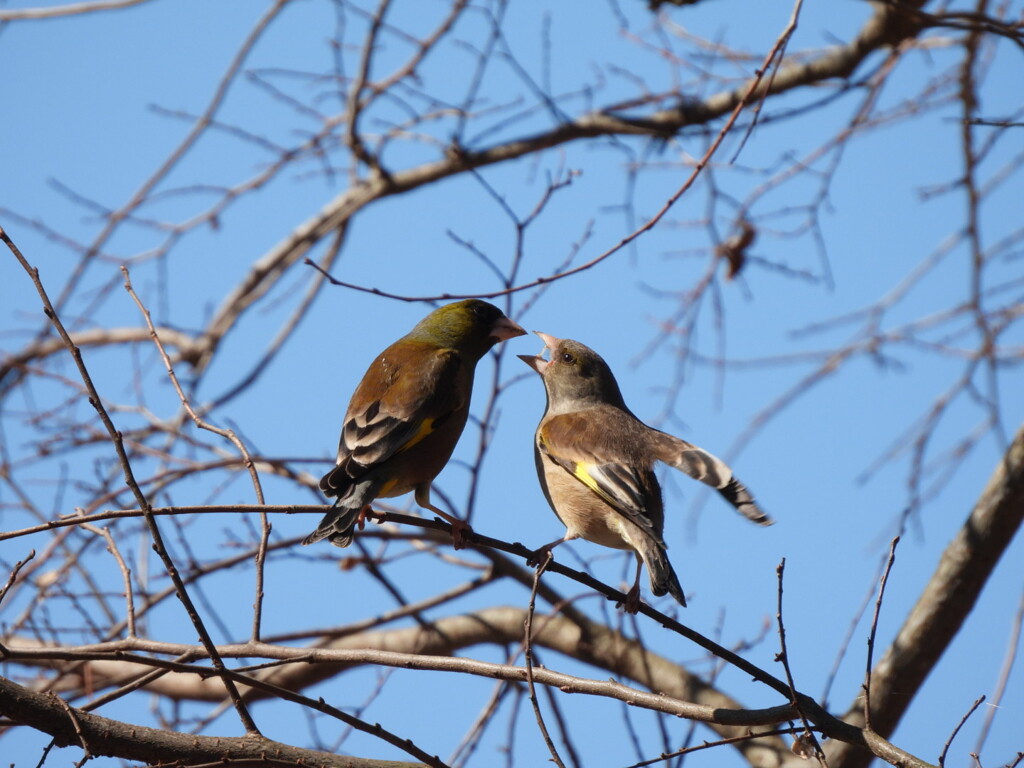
(595, 461)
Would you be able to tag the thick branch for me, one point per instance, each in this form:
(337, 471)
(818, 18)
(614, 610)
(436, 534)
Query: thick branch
(947, 600)
(104, 736)
(95, 337)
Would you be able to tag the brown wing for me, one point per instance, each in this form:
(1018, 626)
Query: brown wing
(407, 393)
(710, 470)
(600, 448)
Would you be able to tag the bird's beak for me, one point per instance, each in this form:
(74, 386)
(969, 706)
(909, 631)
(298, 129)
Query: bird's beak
(506, 329)
(549, 341)
(537, 362)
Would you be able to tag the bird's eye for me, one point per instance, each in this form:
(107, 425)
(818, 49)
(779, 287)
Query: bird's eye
(567, 358)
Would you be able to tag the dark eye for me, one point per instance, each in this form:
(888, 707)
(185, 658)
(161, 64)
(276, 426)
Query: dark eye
(567, 358)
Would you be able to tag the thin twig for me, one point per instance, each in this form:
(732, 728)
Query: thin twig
(783, 656)
(354, 105)
(77, 727)
(138, 683)
(211, 509)
(228, 434)
(844, 646)
(963, 721)
(14, 574)
(1004, 676)
(126, 574)
(563, 727)
(750, 736)
(528, 655)
(774, 60)
(874, 629)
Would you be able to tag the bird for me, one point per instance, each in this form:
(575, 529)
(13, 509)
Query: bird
(407, 414)
(595, 462)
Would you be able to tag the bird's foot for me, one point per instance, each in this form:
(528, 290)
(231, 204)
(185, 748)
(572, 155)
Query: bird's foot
(539, 555)
(368, 512)
(459, 529)
(632, 602)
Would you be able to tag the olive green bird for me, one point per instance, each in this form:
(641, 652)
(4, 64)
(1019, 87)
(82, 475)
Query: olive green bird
(595, 461)
(407, 414)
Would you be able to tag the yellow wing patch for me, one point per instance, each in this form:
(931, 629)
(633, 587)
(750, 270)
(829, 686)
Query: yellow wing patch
(581, 471)
(578, 469)
(426, 428)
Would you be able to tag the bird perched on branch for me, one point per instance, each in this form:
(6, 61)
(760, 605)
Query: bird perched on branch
(595, 461)
(407, 414)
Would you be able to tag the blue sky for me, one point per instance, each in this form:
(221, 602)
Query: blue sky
(80, 95)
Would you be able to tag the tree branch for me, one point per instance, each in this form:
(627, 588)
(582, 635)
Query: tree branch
(942, 608)
(105, 736)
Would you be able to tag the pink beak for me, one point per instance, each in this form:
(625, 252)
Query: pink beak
(506, 329)
(537, 362)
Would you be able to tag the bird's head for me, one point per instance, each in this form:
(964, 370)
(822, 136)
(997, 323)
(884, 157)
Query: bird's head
(471, 326)
(574, 374)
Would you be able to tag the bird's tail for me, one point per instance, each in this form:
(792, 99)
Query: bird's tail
(663, 576)
(339, 524)
(711, 470)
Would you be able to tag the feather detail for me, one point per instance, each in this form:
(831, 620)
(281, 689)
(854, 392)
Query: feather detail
(736, 493)
(710, 470)
(339, 524)
(663, 576)
(629, 488)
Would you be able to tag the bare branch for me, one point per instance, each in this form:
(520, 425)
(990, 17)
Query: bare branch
(71, 9)
(105, 736)
(874, 630)
(946, 600)
(949, 742)
(129, 477)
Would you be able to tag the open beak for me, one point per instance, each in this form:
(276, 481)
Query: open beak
(549, 341)
(537, 362)
(506, 329)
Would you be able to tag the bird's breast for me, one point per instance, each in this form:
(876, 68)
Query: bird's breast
(584, 514)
